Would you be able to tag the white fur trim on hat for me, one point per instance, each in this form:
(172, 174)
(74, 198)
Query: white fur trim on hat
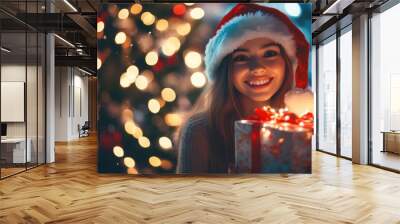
(243, 28)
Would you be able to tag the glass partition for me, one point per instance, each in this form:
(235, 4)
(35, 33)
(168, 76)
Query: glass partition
(346, 93)
(327, 96)
(14, 145)
(385, 89)
(22, 89)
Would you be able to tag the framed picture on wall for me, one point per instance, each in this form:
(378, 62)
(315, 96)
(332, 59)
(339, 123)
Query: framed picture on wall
(195, 88)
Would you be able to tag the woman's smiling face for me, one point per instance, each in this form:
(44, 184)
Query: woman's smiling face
(258, 69)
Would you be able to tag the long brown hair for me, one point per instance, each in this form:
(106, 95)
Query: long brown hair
(220, 103)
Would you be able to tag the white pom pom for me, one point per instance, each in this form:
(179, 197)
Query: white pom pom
(299, 101)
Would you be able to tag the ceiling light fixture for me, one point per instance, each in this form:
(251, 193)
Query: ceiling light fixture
(70, 5)
(84, 71)
(5, 50)
(337, 7)
(65, 41)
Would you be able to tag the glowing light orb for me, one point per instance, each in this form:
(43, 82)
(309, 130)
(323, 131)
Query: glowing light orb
(141, 82)
(198, 79)
(147, 18)
(154, 106)
(100, 26)
(197, 13)
(144, 142)
(124, 80)
(120, 38)
(293, 9)
(170, 46)
(123, 14)
(130, 127)
(151, 58)
(192, 59)
(183, 29)
(118, 151)
(136, 9)
(137, 133)
(99, 63)
(132, 73)
(129, 162)
(162, 25)
(173, 119)
(179, 9)
(165, 142)
(155, 161)
(168, 94)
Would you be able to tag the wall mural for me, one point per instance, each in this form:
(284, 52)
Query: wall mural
(204, 88)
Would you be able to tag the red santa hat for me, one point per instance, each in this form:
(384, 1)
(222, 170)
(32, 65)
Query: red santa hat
(250, 21)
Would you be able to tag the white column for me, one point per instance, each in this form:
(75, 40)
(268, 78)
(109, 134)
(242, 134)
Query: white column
(360, 90)
(50, 93)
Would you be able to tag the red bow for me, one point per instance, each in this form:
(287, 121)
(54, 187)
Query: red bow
(281, 117)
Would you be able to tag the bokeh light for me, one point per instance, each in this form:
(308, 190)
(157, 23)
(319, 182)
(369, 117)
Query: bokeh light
(148, 74)
(192, 59)
(162, 25)
(129, 162)
(130, 127)
(154, 106)
(189, 4)
(136, 9)
(120, 38)
(173, 119)
(165, 142)
(118, 151)
(166, 164)
(151, 58)
(148, 18)
(132, 73)
(99, 63)
(293, 9)
(170, 46)
(155, 161)
(168, 94)
(183, 29)
(127, 114)
(124, 80)
(100, 26)
(123, 14)
(198, 79)
(144, 142)
(197, 13)
(132, 171)
(141, 82)
(137, 133)
(179, 9)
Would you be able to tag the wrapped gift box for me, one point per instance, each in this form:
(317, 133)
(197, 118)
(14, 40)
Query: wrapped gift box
(272, 146)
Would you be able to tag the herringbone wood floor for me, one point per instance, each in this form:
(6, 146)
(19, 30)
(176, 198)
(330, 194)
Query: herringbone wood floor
(71, 191)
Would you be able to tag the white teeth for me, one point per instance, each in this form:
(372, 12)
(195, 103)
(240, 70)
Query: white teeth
(259, 82)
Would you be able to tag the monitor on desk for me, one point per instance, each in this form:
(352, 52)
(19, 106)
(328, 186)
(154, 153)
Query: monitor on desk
(3, 130)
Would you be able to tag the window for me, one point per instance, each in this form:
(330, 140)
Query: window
(327, 96)
(385, 88)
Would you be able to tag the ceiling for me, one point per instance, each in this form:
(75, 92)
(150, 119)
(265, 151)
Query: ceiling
(75, 21)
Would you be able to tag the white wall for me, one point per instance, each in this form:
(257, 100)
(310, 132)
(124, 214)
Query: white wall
(71, 94)
(33, 127)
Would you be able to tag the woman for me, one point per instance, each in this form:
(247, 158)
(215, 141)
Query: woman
(251, 60)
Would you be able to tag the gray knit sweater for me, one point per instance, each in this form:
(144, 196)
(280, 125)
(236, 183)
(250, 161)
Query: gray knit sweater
(194, 146)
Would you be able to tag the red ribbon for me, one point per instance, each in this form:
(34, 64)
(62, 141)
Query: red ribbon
(268, 114)
(255, 148)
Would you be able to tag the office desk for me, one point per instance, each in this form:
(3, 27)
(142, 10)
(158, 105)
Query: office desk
(15, 148)
(391, 141)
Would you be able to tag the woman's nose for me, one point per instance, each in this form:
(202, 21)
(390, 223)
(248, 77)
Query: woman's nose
(256, 67)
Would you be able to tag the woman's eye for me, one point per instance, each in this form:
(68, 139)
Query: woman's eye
(240, 58)
(270, 53)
